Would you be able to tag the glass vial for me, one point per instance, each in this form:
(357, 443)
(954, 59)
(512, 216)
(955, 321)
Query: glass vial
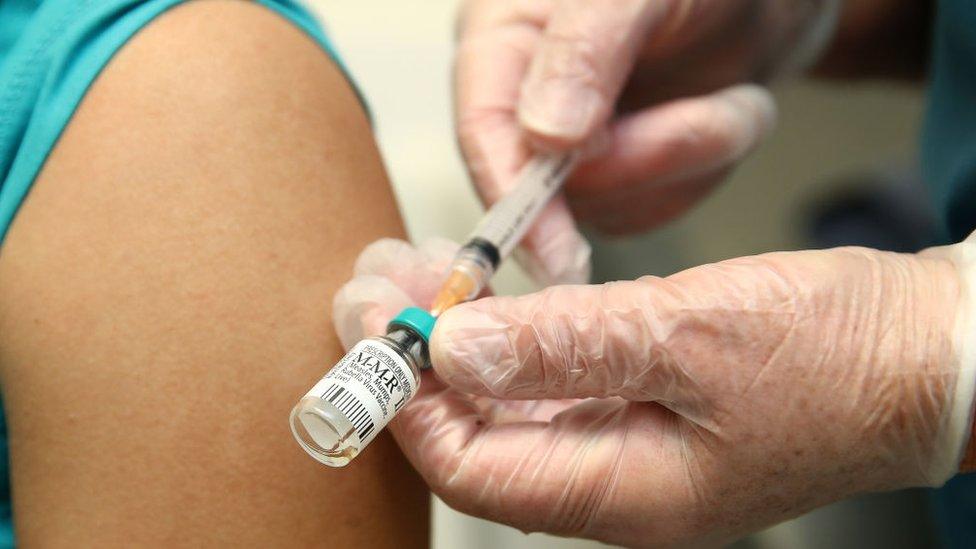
(348, 407)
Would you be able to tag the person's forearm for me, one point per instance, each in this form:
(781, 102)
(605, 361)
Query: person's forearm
(880, 38)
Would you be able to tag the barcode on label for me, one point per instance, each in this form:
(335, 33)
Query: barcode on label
(349, 405)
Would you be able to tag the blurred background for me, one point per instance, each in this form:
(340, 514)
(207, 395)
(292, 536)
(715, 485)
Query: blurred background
(840, 164)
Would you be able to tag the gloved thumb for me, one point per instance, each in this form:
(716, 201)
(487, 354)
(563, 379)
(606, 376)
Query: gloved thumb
(584, 58)
(565, 342)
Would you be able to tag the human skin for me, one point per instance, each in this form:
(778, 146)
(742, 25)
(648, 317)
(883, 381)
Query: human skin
(164, 299)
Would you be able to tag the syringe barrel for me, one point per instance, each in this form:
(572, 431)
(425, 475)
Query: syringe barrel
(508, 220)
(477, 264)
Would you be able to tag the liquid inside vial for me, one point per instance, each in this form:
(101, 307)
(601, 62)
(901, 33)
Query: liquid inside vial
(324, 432)
(344, 411)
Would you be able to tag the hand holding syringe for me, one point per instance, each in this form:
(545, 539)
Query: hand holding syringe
(501, 229)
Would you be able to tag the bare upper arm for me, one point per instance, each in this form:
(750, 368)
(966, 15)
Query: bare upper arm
(165, 295)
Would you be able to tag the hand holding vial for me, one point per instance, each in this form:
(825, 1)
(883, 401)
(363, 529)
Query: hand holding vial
(342, 413)
(689, 409)
(346, 409)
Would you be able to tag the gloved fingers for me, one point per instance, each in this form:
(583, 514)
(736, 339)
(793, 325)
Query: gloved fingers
(557, 476)
(562, 342)
(386, 257)
(642, 340)
(478, 16)
(492, 59)
(553, 251)
(364, 305)
(512, 411)
(488, 69)
(388, 276)
(643, 207)
(438, 252)
(681, 139)
(580, 65)
(419, 270)
(390, 256)
(663, 76)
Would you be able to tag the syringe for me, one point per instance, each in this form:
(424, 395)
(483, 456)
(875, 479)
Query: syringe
(502, 228)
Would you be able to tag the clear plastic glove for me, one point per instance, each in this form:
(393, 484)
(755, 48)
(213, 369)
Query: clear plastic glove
(718, 401)
(653, 88)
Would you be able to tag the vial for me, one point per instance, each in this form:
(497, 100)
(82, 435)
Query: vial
(347, 408)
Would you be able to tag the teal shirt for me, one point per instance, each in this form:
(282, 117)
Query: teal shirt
(949, 138)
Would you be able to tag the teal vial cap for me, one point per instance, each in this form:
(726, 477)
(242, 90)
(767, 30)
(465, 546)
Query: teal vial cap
(416, 319)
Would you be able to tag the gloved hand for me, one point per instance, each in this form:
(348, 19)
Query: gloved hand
(651, 87)
(718, 401)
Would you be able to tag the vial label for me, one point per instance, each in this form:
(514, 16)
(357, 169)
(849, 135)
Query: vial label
(369, 386)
